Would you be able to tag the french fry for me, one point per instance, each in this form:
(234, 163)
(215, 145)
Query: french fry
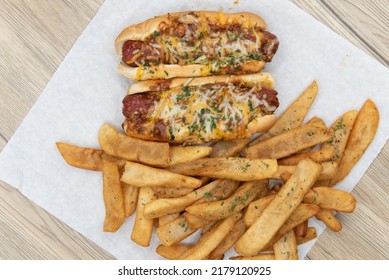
(164, 206)
(311, 234)
(260, 233)
(302, 213)
(85, 158)
(286, 247)
(133, 149)
(326, 216)
(289, 142)
(139, 175)
(362, 134)
(324, 154)
(167, 219)
(209, 241)
(172, 233)
(179, 154)
(239, 169)
(194, 221)
(221, 191)
(113, 197)
(265, 256)
(285, 171)
(218, 210)
(228, 148)
(255, 209)
(143, 227)
(301, 229)
(340, 132)
(332, 199)
(162, 192)
(130, 196)
(207, 226)
(229, 241)
(172, 252)
(293, 116)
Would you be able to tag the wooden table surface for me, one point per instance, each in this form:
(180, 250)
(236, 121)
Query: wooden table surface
(36, 36)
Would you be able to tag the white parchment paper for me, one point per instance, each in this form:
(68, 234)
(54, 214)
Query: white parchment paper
(86, 92)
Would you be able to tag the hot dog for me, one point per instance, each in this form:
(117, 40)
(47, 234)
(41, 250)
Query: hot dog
(200, 110)
(193, 44)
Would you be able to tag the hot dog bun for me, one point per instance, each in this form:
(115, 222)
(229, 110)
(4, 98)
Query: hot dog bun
(195, 44)
(199, 110)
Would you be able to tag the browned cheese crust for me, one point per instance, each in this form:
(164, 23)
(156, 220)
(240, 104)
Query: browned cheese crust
(195, 44)
(199, 110)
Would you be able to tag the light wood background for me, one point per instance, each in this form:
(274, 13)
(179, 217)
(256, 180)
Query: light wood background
(36, 36)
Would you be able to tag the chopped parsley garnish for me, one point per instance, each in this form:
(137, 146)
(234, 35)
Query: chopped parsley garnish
(186, 93)
(233, 205)
(265, 164)
(172, 136)
(251, 106)
(207, 195)
(156, 34)
(192, 128)
(231, 36)
(255, 56)
(310, 133)
(166, 73)
(213, 124)
(339, 125)
(244, 168)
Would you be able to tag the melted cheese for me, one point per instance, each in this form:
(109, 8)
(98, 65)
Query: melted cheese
(208, 112)
(199, 46)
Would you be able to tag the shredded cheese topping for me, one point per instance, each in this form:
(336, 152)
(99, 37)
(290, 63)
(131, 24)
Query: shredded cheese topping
(216, 49)
(208, 112)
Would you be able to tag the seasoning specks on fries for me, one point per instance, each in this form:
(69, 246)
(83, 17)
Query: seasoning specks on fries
(230, 198)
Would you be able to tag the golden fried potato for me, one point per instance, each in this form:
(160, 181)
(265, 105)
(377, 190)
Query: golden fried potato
(172, 252)
(140, 175)
(113, 197)
(326, 216)
(289, 142)
(143, 227)
(209, 241)
(180, 154)
(218, 210)
(260, 233)
(130, 196)
(362, 134)
(332, 199)
(85, 158)
(239, 169)
(133, 149)
(286, 247)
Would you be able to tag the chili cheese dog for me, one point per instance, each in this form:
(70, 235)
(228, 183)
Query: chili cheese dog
(199, 110)
(192, 44)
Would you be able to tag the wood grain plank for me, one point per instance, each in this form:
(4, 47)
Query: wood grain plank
(368, 225)
(3, 142)
(45, 36)
(363, 23)
(29, 232)
(35, 41)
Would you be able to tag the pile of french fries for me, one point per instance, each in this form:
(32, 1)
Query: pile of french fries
(256, 196)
